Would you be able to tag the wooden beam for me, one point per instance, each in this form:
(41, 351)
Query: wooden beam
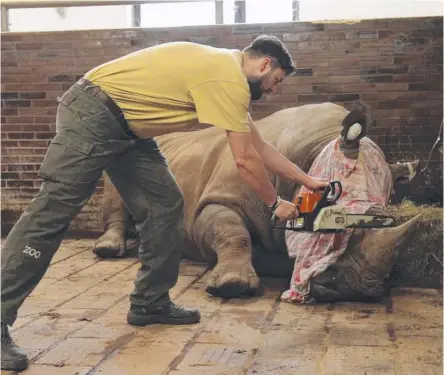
(240, 12)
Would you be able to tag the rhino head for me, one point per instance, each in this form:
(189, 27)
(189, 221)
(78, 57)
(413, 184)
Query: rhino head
(360, 273)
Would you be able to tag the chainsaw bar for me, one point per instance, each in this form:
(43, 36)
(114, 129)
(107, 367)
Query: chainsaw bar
(368, 221)
(335, 218)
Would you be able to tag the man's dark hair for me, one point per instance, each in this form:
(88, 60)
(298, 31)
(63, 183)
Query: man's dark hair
(270, 46)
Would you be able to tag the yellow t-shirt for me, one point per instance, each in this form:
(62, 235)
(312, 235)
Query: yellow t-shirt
(177, 86)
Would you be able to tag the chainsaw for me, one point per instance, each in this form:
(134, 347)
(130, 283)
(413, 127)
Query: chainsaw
(318, 212)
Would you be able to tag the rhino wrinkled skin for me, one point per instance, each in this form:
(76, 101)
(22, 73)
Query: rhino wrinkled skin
(227, 225)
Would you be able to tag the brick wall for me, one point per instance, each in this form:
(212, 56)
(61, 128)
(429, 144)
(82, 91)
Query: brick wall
(394, 65)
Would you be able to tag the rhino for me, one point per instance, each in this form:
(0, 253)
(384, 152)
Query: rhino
(228, 226)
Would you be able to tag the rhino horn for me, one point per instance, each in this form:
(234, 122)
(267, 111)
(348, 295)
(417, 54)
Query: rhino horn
(381, 247)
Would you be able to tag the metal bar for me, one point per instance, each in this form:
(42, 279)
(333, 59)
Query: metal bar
(219, 8)
(295, 10)
(240, 12)
(5, 18)
(136, 15)
(69, 3)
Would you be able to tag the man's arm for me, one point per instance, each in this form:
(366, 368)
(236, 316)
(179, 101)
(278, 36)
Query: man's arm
(225, 105)
(250, 165)
(277, 163)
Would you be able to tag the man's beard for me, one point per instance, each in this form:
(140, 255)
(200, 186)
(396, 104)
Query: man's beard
(255, 88)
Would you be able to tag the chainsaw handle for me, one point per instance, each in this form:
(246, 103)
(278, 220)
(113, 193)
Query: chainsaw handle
(273, 220)
(336, 195)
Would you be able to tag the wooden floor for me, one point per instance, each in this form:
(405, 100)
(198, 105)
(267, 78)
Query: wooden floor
(74, 323)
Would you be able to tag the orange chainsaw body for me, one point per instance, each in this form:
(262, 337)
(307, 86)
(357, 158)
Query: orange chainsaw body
(307, 201)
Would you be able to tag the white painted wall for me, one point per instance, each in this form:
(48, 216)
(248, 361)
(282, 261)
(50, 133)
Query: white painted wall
(70, 18)
(203, 13)
(311, 10)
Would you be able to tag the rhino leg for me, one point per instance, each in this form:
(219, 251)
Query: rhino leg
(222, 236)
(272, 263)
(115, 220)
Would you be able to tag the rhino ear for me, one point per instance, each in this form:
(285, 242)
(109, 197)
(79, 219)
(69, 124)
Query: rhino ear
(359, 115)
(403, 173)
(355, 126)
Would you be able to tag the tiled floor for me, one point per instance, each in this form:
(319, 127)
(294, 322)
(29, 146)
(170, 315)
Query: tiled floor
(75, 323)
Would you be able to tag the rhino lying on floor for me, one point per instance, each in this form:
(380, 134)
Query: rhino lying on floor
(227, 225)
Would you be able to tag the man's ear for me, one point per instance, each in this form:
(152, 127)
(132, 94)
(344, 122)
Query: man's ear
(266, 62)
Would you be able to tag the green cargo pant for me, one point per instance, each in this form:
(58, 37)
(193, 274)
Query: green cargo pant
(90, 140)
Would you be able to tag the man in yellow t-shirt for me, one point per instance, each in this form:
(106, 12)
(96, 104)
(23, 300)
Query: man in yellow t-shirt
(107, 121)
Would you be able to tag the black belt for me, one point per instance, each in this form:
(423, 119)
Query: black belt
(101, 95)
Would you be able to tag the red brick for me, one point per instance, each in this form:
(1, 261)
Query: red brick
(17, 103)
(29, 46)
(435, 68)
(29, 176)
(31, 159)
(9, 95)
(344, 79)
(302, 89)
(33, 143)
(43, 103)
(311, 63)
(22, 167)
(21, 135)
(343, 97)
(33, 95)
(44, 119)
(427, 103)
(345, 62)
(377, 78)
(10, 111)
(20, 120)
(32, 111)
(311, 80)
(19, 183)
(40, 151)
(15, 86)
(9, 143)
(427, 112)
(312, 98)
(390, 113)
(45, 135)
(411, 59)
(401, 95)
(393, 104)
(426, 86)
(15, 78)
(7, 37)
(11, 127)
(409, 78)
(10, 175)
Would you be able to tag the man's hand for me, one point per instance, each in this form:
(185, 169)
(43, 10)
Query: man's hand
(316, 184)
(286, 211)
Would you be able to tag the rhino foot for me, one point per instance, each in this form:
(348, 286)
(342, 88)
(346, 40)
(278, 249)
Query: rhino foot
(111, 244)
(228, 282)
